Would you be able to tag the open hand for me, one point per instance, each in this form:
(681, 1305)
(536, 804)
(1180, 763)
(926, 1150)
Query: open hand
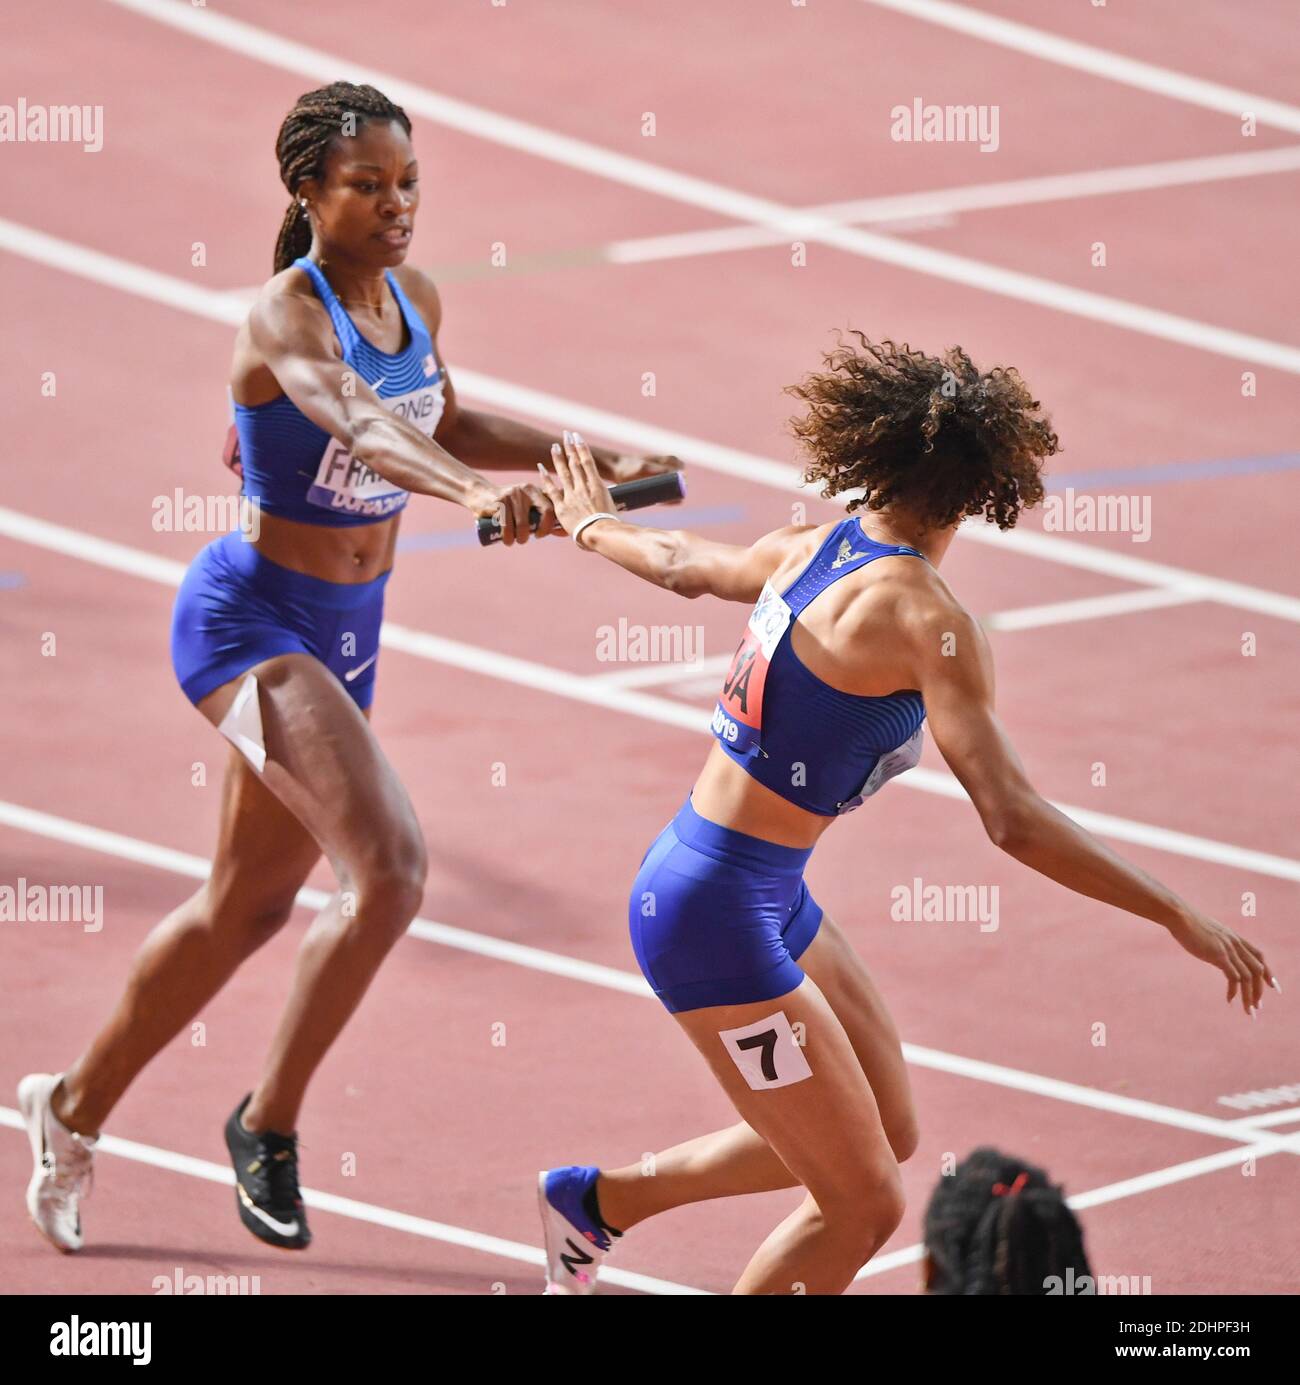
(1241, 962)
(576, 489)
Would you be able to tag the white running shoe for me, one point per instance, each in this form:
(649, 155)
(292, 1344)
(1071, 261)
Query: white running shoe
(62, 1160)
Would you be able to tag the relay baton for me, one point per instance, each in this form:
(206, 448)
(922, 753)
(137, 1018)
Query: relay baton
(629, 495)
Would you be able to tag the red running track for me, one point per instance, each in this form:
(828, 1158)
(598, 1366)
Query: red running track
(418, 1117)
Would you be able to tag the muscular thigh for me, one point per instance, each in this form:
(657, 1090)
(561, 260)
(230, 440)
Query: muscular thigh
(326, 784)
(795, 1078)
(844, 980)
(264, 854)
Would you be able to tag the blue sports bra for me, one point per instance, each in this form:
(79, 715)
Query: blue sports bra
(819, 748)
(295, 469)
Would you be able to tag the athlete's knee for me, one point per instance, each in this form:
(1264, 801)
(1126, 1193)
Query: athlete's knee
(904, 1135)
(389, 881)
(862, 1212)
(885, 1203)
(245, 915)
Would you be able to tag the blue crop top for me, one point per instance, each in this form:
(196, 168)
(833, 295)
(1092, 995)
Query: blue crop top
(819, 748)
(296, 470)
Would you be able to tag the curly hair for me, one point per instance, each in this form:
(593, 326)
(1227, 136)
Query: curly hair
(931, 434)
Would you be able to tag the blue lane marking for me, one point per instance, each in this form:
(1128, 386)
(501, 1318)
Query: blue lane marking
(1158, 473)
(670, 517)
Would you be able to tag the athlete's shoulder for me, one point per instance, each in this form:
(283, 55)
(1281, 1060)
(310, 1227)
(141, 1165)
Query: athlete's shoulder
(927, 612)
(423, 292)
(906, 592)
(287, 310)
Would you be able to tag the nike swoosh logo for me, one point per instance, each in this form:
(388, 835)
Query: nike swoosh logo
(361, 668)
(285, 1228)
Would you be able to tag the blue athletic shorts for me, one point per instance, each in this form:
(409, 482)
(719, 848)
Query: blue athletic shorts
(718, 917)
(236, 608)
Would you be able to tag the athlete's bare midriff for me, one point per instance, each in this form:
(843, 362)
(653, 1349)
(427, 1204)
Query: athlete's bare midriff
(849, 638)
(354, 554)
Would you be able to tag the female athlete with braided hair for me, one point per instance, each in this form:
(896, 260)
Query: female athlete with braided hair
(343, 410)
(998, 1225)
(853, 642)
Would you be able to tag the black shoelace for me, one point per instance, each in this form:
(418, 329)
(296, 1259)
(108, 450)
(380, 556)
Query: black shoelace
(276, 1169)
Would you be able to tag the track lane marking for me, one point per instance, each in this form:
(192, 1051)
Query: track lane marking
(591, 691)
(1098, 62)
(204, 1169)
(263, 45)
(219, 306)
(30, 820)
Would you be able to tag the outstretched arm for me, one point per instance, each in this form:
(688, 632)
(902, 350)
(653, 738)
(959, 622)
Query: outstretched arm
(295, 339)
(954, 674)
(674, 559)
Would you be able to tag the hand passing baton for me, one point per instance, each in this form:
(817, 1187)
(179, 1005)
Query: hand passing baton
(630, 495)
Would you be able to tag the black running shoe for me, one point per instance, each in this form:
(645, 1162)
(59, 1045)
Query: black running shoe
(266, 1184)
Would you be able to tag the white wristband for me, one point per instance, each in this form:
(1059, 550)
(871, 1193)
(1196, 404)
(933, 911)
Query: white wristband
(590, 519)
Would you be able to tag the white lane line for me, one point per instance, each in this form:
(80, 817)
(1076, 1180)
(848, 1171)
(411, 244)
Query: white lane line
(1089, 608)
(1162, 1178)
(32, 821)
(264, 46)
(1098, 62)
(1287, 1117)
(912, 210)
(917, 211)
(117, 844)
(729, 461)
(1096, 1197)
(586, 689)
(980, 1071)
(204, 1169)
(656, 675)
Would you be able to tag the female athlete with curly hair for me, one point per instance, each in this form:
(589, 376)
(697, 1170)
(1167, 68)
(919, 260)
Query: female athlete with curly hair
(854, 640)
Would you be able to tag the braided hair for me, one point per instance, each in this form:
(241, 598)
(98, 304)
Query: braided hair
(998, 1226)
(304, 142)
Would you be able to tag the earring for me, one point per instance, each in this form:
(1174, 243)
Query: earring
(302, 202)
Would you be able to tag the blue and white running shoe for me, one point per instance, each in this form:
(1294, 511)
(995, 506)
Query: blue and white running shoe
(576, 1246)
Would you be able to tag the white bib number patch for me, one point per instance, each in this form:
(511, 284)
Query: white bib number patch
(343, 483)
(894, 763)
(767, 1053)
